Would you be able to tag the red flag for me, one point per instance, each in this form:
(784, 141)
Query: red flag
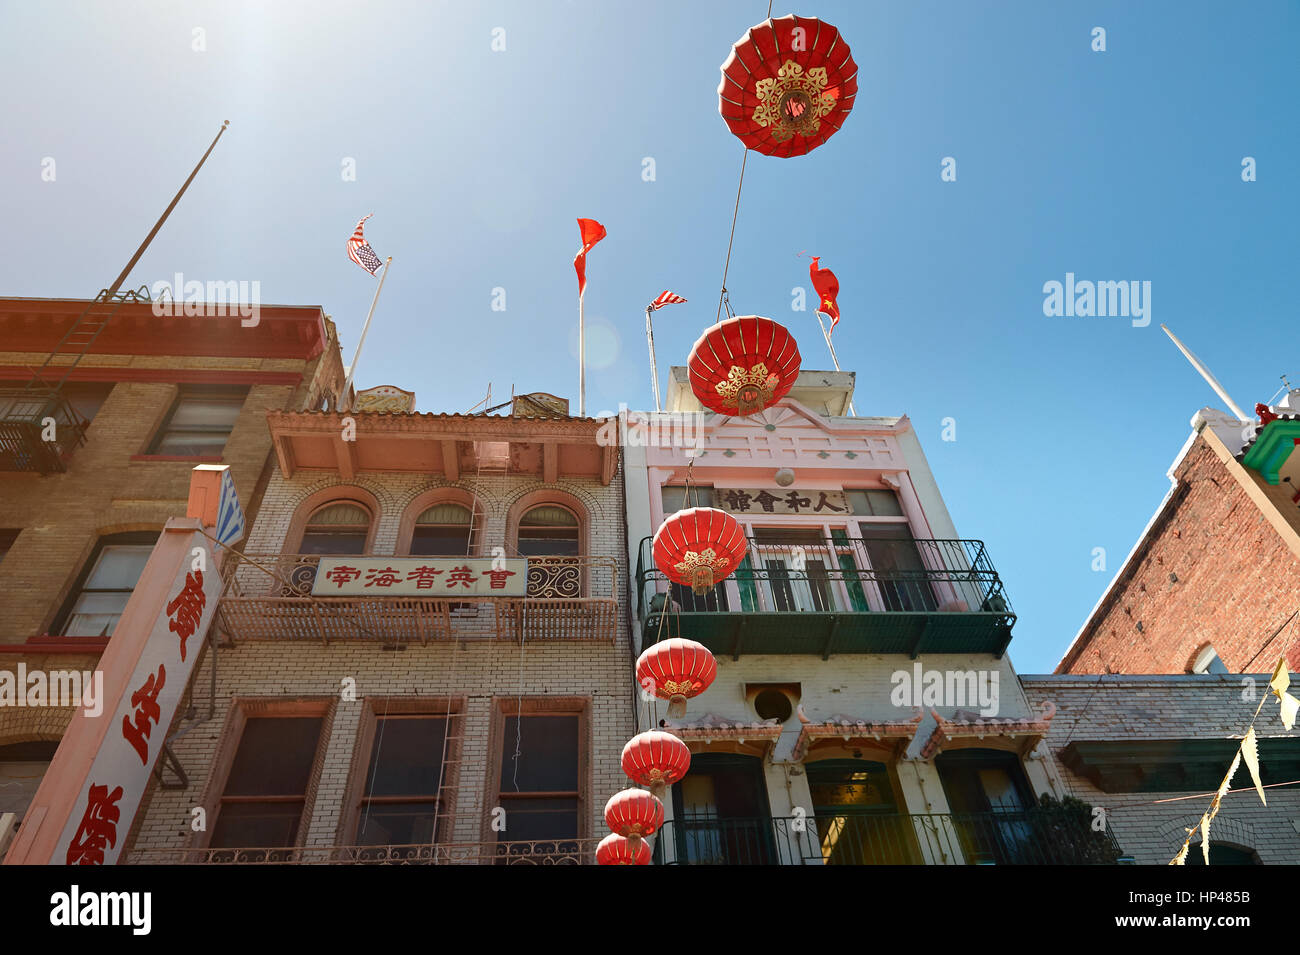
(592, 232)
(828, 288)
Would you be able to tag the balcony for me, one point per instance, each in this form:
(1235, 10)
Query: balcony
(24, 417)
(1025, 837)
(541, 852)
(837, 595)
(270, 597)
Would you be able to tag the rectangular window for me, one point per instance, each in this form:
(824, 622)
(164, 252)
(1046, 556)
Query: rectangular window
(676, 498)
(265, 795)
(541, 769)
(101, 595)
(86, 397)
(200, 422)
(7, 537)
(407, 780)
(874, 503)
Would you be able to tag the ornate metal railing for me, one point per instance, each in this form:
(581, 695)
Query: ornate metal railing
(853, 595)
(567, 598)
(29, 417)
(537, 852)
(1023, 837)
(841, 574)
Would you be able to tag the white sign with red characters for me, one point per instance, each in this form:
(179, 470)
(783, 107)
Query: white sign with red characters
(420, 577)
(119, 776)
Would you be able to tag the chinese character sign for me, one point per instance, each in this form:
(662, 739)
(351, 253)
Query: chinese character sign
(137, 726)
(751, 501)
(453, 577)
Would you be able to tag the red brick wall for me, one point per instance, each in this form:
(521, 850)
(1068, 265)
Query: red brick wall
(1236, 585)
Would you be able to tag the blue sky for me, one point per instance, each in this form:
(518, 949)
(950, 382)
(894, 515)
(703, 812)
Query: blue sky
(1122, 165)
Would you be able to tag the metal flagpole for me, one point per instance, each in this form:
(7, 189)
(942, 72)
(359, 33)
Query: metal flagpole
(117, 283)
(582, 357)
(650, 340)
(352, 369)
(1209, 378)
(827, 335)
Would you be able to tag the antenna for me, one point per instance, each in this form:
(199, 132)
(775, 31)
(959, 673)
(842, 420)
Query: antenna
(1209, 378)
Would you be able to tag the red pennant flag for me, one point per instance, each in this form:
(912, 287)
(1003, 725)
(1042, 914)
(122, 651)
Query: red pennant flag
(592, 232)
(828, 289)
(666, 298)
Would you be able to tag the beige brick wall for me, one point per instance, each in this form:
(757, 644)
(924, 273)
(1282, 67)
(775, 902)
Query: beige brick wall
(478, 672)
(61, 516)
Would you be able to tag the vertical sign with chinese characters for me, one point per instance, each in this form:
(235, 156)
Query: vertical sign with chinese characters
(119, 775)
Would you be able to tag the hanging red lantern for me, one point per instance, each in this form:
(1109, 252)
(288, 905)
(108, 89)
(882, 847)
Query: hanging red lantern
(788, 86)
(742, 365)
(699, 547)
(675, 670)
(634, 814)
(656, 759)
(617, 850)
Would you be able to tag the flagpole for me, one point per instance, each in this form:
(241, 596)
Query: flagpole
(826, 335)
(582, 357)
(650, 340)
(352, 369)
(1209, 378)
(117, 283)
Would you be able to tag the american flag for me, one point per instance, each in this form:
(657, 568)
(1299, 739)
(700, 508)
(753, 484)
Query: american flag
(666, 298)
(360, 252)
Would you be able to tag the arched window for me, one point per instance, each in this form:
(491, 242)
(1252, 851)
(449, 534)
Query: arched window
(721, 814)
(548, 530)
(340, 527)
(857, 816)
(442, 530)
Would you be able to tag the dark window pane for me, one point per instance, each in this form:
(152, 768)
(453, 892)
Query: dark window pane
(397, 824)
(275, 757)
(406, 757)
(543, 542)
(539, 819)
(548, 760)
(448, 541)
(256, 825)
(333, 542)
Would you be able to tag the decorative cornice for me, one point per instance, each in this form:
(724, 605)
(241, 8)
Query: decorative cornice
(946, 731)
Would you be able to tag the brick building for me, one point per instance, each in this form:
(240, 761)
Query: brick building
(1210, 584)
(413, 714)
(90, 472)
(1148, 749)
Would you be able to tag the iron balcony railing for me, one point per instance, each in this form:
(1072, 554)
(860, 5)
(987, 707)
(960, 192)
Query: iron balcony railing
(28, 417)
(567, 598)
(943, 592)
(536, 852)
(1021, 837)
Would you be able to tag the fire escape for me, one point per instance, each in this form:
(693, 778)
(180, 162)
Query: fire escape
(39, 427)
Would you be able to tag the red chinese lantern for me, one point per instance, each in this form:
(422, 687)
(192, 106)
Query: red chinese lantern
(617, 850)
(656, 759)
(675, 670)
(699, 547)
(742, 365)
(787, 86)
(634, 814)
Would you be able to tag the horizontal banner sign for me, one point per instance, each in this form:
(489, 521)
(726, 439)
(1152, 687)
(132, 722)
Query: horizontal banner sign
(751, 501)
(420, 576)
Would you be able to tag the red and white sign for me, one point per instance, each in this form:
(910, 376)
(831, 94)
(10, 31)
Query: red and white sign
(420, 577)
(119, 775)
